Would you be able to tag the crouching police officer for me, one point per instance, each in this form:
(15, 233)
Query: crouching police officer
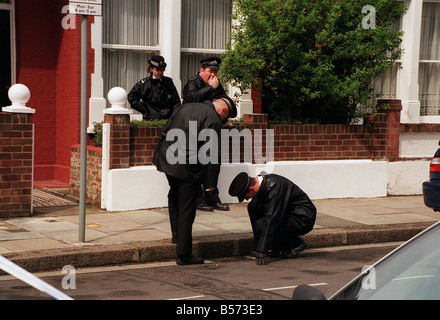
(279, 213)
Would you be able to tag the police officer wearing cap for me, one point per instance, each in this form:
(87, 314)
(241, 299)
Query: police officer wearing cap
(185, 177)
(156, 96)
(206, 86)
(279, 213)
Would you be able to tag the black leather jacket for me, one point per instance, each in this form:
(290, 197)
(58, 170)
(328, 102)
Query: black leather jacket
(155, 99)
(196, 90)
(278, 198)
(203, 116)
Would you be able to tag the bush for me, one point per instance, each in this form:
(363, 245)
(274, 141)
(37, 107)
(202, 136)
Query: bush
(97, 139)
(315, 60)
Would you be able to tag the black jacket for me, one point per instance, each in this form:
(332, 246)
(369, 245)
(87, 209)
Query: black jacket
(196, 90)
(203, 116)
(155, 99)
(277, 198)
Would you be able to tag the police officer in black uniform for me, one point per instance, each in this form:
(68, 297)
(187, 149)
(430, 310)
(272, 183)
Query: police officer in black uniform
(279, 213)
(156, 96)
(185, 177)
(206, 86)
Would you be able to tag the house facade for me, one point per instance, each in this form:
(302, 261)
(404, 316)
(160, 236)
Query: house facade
(40, 47)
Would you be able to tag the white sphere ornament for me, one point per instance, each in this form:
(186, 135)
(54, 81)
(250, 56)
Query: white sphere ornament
(19, 95)
(117, 97)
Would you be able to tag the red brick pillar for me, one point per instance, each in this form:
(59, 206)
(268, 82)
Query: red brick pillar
(119, 140)
(16, 161)
(389, 112)
(258, 121)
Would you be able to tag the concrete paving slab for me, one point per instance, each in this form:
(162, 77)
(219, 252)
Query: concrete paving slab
(39, 225)
(35, 244)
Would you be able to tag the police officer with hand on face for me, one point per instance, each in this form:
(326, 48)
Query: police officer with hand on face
(156, 96)
(279, 213)
(206, 86)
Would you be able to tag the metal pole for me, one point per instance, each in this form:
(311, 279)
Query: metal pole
(83, 151)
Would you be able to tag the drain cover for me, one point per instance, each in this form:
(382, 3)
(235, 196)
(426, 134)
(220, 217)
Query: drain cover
(44, 199)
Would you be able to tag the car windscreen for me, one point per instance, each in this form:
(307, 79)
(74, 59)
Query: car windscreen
(411, 273)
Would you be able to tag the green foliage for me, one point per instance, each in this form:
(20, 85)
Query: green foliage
(148, 123)
(314, 58)
(97, 139)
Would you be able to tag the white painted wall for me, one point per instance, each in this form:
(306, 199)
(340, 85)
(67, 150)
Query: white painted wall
(418, 145)
(144, 187)
(406, 177)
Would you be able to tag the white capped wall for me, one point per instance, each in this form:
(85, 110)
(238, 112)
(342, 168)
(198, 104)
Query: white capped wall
(144, 187)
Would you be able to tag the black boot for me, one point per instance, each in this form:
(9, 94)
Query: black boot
(213, 200)
(203, 206)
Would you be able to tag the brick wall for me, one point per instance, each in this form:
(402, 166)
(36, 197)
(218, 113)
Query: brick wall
(377, 138)
(16, 131)
(94, 169)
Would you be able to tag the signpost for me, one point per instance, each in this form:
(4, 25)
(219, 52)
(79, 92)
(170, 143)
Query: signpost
(85, 8)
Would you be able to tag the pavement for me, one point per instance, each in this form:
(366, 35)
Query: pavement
(49, 239)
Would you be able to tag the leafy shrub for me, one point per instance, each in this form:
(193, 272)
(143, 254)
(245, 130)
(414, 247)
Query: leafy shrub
(315, 60)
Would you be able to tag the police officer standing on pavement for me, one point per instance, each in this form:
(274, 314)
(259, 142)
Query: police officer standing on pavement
(279, 213)
(206, 86)
(184, 174)
(156, 96)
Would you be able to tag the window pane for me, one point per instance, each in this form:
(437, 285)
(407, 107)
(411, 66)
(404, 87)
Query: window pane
(429, 72)
(124, 68)
(205, 24)
(430, 36)
(131, 22)
(386, 83)
(429, 86)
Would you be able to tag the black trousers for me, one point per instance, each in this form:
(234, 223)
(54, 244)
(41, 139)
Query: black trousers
(211, 173)
(182, 210)
(287, 235)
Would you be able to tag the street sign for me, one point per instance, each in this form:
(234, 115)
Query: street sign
(87, 7)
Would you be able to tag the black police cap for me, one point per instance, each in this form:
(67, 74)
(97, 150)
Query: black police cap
(240, 186)
(158, 62)
(231, 105)
(213, 62)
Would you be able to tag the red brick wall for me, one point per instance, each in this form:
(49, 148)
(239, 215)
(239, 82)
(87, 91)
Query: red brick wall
(94, 170)
(295, 142)
(143, 142)
(48, 63)
(16, 132)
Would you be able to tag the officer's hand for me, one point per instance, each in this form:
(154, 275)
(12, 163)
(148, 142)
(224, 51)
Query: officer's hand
(261, 258)
(213, 81)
